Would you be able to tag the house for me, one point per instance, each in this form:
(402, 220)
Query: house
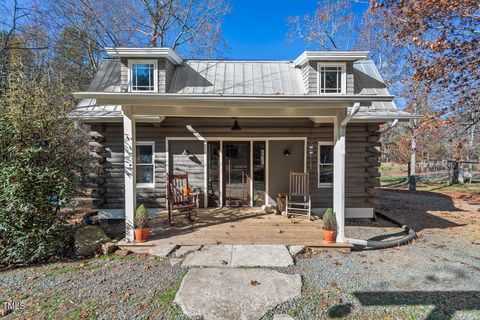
(237, 127)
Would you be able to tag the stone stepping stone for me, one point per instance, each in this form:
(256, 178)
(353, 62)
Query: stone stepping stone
(235, 256)
(162, 250)
(220, 293)
(294, 250)
(260, 256)
(210, 256)
(183, 250)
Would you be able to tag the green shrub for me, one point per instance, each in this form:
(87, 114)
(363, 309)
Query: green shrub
(141, 218)
(39, 156)
(329, 220)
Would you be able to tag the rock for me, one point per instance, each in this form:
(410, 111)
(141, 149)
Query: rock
(259, 255)
(236, 256)
(88, 240)
(162, 250)
(210, 256)
(219, 293)
(294, 250)
(109, 247)
(175, 261)
(282, 317)
(123, 252)
(183, 250)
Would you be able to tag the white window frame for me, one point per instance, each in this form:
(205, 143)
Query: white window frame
(343, 80)
(323, 184)
(155, 73)
(152, 144)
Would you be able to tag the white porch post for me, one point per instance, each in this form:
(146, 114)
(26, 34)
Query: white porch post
(129, 142)
(339, 175)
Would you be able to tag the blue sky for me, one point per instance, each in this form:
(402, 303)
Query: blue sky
(256, 29)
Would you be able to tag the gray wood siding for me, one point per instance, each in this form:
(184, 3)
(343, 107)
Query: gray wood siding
(281, 165)
(192, 164)
(169, 72)
(361, 161)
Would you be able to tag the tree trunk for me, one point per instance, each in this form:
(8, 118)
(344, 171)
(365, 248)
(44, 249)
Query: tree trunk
(412, 181)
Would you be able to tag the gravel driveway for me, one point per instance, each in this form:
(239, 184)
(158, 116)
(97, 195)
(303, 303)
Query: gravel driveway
(436, 276)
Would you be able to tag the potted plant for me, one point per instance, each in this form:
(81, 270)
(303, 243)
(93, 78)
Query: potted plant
(141, 224)
(329, 226)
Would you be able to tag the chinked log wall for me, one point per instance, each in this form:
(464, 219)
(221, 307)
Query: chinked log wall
(362, 175)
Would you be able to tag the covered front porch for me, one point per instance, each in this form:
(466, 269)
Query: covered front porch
(317, 111)
(230, 194)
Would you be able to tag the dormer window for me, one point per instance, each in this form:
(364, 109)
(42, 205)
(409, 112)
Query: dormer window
(143, 75)
(331, 78)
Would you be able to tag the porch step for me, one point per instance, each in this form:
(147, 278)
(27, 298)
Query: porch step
(321, 246)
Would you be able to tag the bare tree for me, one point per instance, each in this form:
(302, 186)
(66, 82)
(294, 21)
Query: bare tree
(332, 26)
(191, 26)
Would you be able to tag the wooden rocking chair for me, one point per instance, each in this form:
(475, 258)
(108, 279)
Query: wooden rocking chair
(176, 199)
(299, 200)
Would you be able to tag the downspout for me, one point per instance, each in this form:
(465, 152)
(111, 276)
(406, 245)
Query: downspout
(410, 234)
(341, 219)
(339, 174)
(391, 126)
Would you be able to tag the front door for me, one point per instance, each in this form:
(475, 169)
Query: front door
(236, 173)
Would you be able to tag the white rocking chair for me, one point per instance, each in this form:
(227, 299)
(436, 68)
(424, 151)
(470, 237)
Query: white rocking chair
(298, 200)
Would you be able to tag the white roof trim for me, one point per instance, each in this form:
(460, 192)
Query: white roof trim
(330, 56)
(126, 97)
(127, 52)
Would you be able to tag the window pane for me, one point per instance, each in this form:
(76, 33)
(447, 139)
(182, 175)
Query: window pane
(326, 173)
(326, 154)
(144, 174)
(259, 173)
(142, 76)
(144, 154)
(330, 79)
(213, 174)
(331, 84)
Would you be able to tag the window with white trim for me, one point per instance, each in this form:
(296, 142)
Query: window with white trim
(331, 78)
(142, 75)
(145, 164)
(325, 164)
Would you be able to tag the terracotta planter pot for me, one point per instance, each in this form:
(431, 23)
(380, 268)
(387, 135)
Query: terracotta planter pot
(329, 236)
(141, 235)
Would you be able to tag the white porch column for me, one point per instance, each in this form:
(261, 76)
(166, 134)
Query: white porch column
(129, 142)
(339, 175)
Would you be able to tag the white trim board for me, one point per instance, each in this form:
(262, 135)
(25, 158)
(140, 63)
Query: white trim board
(120, 213)
(351, 213)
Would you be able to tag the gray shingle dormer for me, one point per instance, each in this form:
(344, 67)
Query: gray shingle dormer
(162, 60)
(310, 62)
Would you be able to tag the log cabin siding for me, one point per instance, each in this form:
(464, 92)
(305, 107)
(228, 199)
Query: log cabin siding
(361, 161)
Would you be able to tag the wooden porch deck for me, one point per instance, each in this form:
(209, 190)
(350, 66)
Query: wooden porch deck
(238, 226)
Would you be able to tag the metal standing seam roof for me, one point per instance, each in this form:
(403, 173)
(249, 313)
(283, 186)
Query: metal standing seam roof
(231, 77)
(237, 77)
